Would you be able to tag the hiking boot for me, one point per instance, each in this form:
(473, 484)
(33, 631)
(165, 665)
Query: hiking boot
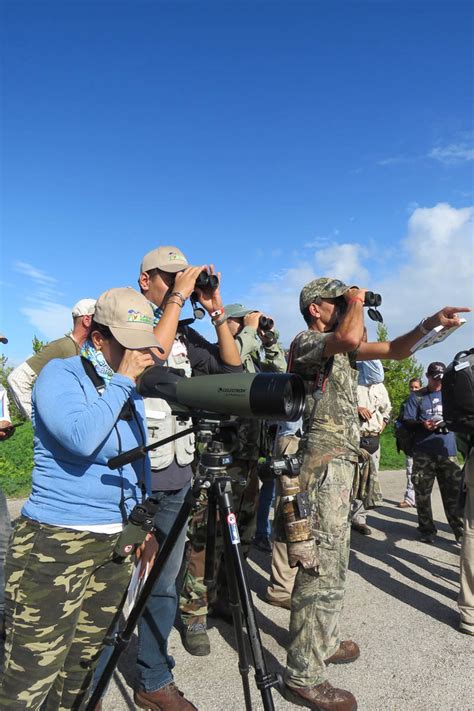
(348, 652)
(322, 697)
(361, 528)
(168, 698)
(195, 640)
(427, 538)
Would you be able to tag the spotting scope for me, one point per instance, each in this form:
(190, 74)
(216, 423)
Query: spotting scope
(271, 396)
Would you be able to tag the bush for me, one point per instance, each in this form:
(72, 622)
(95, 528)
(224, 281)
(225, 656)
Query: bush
(16, 462)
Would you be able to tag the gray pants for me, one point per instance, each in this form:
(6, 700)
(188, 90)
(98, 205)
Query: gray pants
(358, 512)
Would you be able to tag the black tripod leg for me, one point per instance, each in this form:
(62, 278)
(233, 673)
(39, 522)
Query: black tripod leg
(123, 638)
(239, 590)
(211, 521)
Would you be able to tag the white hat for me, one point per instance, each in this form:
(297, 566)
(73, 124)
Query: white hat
(84, 307)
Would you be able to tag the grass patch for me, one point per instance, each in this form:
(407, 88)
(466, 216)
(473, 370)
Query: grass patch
(389, 457)
(16, 462)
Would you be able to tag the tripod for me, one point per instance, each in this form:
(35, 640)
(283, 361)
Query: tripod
(213, 466)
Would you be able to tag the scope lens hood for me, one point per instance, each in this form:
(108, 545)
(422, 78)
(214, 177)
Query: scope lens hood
(277, 396)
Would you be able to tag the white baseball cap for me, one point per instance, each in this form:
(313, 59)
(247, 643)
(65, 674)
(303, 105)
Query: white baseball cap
(84, 307)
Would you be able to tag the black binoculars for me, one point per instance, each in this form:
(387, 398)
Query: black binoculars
(207, 281)
(372, 299)
(265, 323)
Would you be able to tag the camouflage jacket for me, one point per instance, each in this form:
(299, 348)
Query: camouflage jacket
(330, 420)
(255, 358)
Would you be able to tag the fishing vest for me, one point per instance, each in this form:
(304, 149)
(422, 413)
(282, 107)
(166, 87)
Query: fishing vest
(161, 423)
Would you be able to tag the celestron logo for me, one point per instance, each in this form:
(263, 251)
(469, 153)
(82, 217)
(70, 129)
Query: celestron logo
(231, 391)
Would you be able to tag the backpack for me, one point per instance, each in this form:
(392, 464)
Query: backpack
(404, 434)
(458, 393)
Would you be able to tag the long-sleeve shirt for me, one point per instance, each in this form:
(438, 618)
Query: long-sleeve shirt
(76, 432)
(4, 409)
(22, 378)
(374, 398)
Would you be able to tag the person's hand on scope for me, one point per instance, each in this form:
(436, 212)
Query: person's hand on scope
(134, 362)
(184, 281)
(210, 299)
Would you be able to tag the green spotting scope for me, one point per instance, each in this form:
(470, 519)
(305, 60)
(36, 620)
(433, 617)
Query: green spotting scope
(271, 396)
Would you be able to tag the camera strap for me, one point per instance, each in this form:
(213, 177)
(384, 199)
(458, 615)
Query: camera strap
(128, 412)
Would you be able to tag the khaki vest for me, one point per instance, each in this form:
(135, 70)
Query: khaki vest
(161, 423)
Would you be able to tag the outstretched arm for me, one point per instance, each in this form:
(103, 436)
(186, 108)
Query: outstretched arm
(400, 347)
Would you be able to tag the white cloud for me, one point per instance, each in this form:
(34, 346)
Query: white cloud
(51, 318)
(435, 268)
(33, 273)
(452, 153)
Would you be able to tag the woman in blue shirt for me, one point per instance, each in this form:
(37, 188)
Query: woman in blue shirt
(64, 582)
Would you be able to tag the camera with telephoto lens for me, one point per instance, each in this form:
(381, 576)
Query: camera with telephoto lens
(288, 465)
(139, 523)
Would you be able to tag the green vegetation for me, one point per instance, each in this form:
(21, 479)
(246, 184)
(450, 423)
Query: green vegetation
(389, 457)
(16, 462)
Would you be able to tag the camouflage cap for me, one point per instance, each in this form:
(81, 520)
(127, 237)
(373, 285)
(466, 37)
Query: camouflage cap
(324, 288)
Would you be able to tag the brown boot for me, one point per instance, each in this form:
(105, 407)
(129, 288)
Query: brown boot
(168, 698)
(322, 697)
(348, 652)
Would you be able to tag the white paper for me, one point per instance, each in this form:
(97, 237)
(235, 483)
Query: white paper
(134, 588)
(436, 335)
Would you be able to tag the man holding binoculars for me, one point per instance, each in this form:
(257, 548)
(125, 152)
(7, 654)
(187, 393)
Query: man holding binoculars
(167, 281)
(325, 355)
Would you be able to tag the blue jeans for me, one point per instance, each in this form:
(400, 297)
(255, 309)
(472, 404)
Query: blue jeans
(154, 665)
(265, 498)
(5, 531)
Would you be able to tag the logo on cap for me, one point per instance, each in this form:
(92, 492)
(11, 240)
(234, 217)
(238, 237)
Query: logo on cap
(137, 317)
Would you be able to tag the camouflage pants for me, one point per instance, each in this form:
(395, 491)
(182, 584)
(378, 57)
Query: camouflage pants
(427, 467)
(62, 594)
(318, 598)
(195, 596)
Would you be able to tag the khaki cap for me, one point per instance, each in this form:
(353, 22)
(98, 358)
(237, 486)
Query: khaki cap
(129, 316)
(323, 288)
(168, 259)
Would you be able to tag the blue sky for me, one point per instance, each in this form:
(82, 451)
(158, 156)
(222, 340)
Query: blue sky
(279, 140)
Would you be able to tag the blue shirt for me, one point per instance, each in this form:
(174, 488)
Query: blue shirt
(422, 408)
(76, 432)
(370, 372)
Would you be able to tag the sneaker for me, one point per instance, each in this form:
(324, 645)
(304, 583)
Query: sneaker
(195, 640)
(322, 697)
(263, 543)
